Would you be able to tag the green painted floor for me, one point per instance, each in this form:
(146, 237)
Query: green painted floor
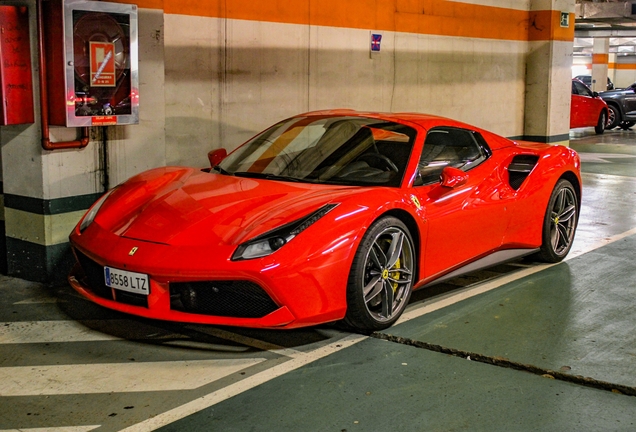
(576, 318)
(384, 386)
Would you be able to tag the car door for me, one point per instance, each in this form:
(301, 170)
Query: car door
(582, 112)
(629, 102)
(468, 220)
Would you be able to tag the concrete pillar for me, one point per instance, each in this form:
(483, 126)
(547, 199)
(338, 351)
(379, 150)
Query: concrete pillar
(600, 62)
(549, 70)
(45, 193)
(611, 67)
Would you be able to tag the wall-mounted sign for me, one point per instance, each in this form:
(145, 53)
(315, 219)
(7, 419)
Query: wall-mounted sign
(565, 19)
(102, 59)
(376, 42)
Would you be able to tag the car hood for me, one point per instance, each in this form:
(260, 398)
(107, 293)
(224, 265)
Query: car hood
(616, 92)
(187, 207)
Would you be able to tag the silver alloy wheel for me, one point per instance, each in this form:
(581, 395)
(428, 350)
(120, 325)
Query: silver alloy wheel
(388, 275)
(611, 118)
(563, 225)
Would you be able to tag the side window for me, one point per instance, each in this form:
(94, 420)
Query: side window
(450, 147)
(581, 89)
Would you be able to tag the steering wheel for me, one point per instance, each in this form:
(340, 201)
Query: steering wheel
(385, 161)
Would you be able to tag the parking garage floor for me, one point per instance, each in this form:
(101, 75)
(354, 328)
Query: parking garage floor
(522, 346)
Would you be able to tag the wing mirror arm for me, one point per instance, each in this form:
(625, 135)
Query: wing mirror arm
(453, 177)
(216, 156)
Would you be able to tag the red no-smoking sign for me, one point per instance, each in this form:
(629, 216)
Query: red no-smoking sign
(102, 56)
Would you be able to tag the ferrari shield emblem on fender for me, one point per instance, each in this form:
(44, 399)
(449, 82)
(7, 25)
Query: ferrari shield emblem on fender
(416, 202)
(132, 251)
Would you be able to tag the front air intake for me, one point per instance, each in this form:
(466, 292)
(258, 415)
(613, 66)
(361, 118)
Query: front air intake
(239, 299)
(520, 168)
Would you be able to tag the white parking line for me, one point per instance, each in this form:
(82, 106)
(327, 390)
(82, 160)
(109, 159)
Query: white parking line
(117, 377)
(49, 332)
(55, 429)
(39, 300)
(243, 385)
(602, 242)
(444, 300)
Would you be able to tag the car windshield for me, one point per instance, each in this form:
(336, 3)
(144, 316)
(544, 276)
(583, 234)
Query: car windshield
(326, 149)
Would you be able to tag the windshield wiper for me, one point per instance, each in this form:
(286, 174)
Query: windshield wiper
(267, 176)
(221, 170)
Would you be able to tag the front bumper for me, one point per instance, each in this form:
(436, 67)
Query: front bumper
(159, 306)
(305, 286)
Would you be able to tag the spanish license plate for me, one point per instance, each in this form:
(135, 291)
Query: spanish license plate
(127, 281)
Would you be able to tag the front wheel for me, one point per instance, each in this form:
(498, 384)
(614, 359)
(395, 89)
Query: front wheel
(602, 121)
(559, 223)
(381, 277)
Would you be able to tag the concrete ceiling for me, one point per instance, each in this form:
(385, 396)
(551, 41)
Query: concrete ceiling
(613, 19)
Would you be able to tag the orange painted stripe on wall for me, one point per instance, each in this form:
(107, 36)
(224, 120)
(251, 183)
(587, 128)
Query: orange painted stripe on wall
(146, 4)
(546, 25)
(623, 66)
(434, 17)
(600, 59)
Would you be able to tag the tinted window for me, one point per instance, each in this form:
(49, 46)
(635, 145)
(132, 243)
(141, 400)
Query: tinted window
(580, 89)
(450, 147)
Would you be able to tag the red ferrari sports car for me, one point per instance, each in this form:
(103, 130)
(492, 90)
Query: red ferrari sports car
(326, 216)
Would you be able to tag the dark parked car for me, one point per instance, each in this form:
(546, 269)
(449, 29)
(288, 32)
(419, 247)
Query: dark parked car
(622, 106)
(587, 80)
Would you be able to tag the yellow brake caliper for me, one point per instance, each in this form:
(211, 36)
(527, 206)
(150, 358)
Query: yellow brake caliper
(396, 275)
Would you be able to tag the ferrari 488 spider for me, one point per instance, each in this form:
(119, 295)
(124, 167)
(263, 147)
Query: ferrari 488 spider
(326, 216)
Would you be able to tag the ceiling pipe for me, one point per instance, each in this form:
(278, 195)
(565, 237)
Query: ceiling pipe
(44, 99)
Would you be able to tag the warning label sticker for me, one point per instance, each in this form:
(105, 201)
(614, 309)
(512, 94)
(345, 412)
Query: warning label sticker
(102, 57)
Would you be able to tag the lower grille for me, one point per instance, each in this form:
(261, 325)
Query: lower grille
(239, 299)
(94, 282)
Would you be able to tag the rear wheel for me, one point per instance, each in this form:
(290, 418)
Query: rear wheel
(381, 277)
(559, 222)
(614, 117)
(602, 121)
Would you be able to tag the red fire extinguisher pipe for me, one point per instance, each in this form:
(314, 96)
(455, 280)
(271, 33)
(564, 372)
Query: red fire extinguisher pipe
(44, 99)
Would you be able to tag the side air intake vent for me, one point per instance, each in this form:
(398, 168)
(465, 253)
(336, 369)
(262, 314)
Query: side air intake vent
(520, 168)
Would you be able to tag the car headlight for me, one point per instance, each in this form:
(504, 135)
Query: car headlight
(271, 241)
(90, 216)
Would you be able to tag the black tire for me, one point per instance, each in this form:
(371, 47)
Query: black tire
(626, 125)
(559, 223)
(614, 117)
(602, 121)
(384, 264)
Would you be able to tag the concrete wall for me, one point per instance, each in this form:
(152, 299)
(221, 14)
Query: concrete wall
(624, 69)
(226, 79)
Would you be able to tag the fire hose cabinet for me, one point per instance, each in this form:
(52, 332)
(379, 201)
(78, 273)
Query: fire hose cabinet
(91, 54)
(16, 82)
